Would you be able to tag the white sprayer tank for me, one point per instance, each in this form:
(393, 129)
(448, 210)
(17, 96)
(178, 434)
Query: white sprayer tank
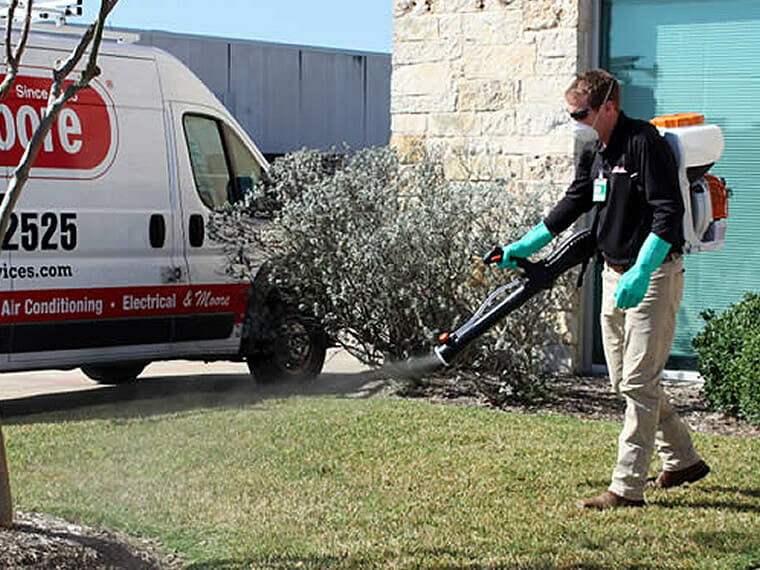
(696, 146)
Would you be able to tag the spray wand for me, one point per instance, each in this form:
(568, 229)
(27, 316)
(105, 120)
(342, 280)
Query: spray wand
(535, 277)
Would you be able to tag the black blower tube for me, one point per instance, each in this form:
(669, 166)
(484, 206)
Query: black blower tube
(576, 249)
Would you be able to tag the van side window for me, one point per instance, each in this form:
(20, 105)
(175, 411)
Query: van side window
(223, 167)
(212, 176)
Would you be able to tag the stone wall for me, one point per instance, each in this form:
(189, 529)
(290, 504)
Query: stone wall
(480, 83)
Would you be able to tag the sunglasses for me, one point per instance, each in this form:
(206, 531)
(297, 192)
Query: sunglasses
(580, 114)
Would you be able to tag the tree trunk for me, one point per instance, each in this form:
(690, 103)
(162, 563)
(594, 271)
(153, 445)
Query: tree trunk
(59, 96)
(6, 505)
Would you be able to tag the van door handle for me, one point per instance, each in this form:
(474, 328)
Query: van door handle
(157, 231)
(197, 230)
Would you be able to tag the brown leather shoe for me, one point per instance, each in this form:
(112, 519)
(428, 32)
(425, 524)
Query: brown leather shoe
(675, 478)
(608, 500)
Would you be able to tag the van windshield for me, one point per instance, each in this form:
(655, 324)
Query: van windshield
(245, 167)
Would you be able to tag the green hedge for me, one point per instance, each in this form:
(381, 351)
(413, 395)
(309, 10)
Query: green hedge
(728, 357)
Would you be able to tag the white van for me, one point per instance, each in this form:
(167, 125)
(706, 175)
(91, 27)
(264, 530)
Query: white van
(107, 264)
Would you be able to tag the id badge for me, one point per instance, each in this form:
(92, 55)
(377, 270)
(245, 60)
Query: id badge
(600, 189)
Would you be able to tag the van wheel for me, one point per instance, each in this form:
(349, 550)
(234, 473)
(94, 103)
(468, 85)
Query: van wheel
(295, 351)
(114, 373)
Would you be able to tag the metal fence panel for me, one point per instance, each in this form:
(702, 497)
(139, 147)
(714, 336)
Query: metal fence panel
(289, 97)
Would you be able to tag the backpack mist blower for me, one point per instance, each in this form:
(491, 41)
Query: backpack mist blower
(576, 249)
(696, 147)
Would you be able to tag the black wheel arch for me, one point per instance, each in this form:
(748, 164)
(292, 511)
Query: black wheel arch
(268, 305)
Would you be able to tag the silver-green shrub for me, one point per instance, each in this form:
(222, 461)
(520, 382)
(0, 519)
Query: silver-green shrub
(387, 255)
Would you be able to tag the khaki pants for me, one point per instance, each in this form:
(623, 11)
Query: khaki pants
(636, 345)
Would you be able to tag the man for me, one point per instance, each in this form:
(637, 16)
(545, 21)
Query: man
(630, 175)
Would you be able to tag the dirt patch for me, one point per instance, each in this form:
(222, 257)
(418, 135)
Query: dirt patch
(45, 542)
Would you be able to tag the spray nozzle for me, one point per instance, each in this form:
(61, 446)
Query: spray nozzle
(494, 256)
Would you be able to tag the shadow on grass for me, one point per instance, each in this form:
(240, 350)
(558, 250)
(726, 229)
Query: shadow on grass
(743, 546)
(753, 493)
(711, 497)
(170, 394)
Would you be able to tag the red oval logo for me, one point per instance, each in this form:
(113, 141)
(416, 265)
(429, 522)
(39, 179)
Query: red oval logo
(81, 143)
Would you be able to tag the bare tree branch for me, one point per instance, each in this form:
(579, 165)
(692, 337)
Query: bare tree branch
(57, 99)
(13, 56)
(91, 71)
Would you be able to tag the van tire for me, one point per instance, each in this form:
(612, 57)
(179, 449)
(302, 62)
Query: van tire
(114, 373)
(295, 351)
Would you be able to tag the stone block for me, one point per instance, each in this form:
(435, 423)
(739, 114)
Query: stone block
(482, 161)
(542, 14)
(547, 89)
(451, 152)
(513, 144)
(557, 65)
(420, 79)
(407, 146)
(454, 125)
(556, 142)
(499, 61)
(555, 169)
(474, 159)
(492, 27)
(493, 166)
(522, 144)
(453, 170)
(407, 53)
(537, 119)
(557, 42)
(498, 123)
(434, 103)
(486, 94)
(573, 11)
(455, 6)
(402, 7)
(450, 26)
(415, 28)
(409, 123)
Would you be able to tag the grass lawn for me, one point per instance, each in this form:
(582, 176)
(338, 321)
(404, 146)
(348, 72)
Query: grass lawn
(320, 482)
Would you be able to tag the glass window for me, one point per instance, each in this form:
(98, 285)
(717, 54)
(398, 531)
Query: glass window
(223, 167)
(246, 168)
(702, 56)
(207, 156)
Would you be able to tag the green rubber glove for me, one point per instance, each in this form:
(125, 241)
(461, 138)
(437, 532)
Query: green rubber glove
(634, 283)
(526, 246)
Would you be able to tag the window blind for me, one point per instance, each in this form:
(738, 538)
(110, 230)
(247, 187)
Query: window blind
(702, 56)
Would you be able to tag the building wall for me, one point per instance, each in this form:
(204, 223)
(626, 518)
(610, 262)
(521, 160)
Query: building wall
(480, 84)
(289, 97)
